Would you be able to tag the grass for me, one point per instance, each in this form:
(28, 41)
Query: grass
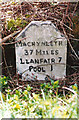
(24, 104)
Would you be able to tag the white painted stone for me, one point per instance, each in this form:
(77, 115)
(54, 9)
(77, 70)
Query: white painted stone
(44, 44)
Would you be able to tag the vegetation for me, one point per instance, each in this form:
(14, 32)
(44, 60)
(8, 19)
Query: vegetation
(46, 104)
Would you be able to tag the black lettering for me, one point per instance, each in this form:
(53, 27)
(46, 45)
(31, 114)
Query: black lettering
(26, 52)
(38, 52)
(30, 68)
(27, 61)
(36, 61)
(47, 52)
(43, 44)
(51, 43)
(60, 43)
(43, 52)
(31, 51)
(43, 70)
(51, 67)
(41, 60)
(20, 43)
(55, 42)
(60, 58)
(33, 43)
(28, 44)
(21, 62)
(47, 44)
(24, 44)
(48, 60)
(52, 52)
(56, 52)
(45, 61)
(31, 61)
(39, 69)
(52, 60)
(38, 43)
(35, 69)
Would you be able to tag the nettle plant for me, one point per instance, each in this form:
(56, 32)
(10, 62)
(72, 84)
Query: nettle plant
(3, 82)
(15, 24)
(24, 104)
(51, 87)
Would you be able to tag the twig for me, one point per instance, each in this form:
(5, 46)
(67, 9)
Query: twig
(75, 74)
(11, 83)
(9, 36)
(61, 22)
(44, 65)
(64, 90)
(70, 20)
(70, 35)
(14, 42)
(69, 42)
(8, 67)
(6, 63)
(67, 8)
(75, 8)
(16, 89)
(74, 39)
(21, 10)
(70, 90)
(62, 101)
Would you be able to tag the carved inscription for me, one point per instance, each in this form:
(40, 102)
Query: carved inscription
(42, 53)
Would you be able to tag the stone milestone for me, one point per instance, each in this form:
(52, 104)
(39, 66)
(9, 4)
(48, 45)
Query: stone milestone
(41, 51)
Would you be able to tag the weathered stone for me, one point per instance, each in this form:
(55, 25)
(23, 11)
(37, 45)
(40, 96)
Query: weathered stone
(42, 52)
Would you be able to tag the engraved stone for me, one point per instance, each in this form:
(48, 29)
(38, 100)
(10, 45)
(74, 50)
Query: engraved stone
(42, 51)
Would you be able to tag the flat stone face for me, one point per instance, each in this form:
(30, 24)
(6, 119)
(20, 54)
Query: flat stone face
(41, 51)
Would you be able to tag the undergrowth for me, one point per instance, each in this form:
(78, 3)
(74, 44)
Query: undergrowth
(24, 104)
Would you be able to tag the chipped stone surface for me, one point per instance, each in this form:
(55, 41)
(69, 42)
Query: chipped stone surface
(41, 52)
